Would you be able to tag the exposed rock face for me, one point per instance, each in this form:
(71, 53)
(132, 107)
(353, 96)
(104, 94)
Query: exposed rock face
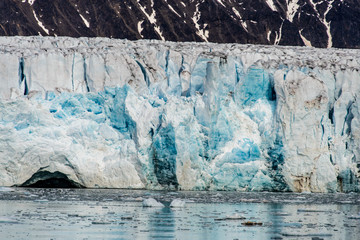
(330, 23)
(193, 116)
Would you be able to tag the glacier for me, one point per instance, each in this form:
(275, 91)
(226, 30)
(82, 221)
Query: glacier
(106, 113)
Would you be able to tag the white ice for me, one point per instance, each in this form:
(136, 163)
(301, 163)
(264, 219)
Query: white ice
(151, 202)
(188, 116)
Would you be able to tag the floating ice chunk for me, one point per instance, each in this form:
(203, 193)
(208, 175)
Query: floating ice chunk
(100, 222)
(150, 202)
(7, 220)
(234, 216)
(6, 189)
(177, 203)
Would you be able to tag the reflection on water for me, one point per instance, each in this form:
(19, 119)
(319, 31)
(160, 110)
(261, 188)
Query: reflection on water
(63, 218)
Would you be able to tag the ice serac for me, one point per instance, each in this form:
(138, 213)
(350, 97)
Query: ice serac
(188, 116)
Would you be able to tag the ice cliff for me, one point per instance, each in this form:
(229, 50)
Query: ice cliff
(189, 116)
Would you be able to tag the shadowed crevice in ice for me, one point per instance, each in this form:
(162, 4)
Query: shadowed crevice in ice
(22, 77)
(45, 179)
(164, 156)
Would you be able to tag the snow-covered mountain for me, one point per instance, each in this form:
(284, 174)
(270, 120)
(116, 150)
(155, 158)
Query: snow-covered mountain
(194, 116)
(318, 23)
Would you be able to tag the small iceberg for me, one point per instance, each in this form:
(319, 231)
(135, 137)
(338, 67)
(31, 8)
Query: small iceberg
(231, 217)
(6, 189)
(151, 202)
(177, 203)
(7, 220)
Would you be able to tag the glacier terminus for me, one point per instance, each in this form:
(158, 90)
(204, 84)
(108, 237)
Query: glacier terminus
(106, 113)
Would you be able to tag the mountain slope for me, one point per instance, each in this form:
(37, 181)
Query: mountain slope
(329, 23)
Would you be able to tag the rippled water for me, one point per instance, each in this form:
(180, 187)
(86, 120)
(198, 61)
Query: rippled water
(119, 214)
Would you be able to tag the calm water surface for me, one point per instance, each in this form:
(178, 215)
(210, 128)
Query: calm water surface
(119, 214)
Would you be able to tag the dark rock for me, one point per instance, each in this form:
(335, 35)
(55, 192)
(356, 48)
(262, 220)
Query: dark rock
(219, 21)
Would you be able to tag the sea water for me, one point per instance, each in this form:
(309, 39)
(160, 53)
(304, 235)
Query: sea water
(27, 213)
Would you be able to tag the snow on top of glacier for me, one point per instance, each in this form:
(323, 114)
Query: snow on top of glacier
(268, 56)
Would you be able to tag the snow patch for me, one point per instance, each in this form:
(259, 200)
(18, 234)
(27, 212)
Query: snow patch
(31, 2)
(306, 42)
(204, 34)
(172, 9)
(87, 24)
(323, 19)
(219, 1)
(292, 7)
(271, 5)
(268, 35)
(152, 19)
(327, 24)
(140, 29)
(40, 23)
(278, 35)
(244, 25)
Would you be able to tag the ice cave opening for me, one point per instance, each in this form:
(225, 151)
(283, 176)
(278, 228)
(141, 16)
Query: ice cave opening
(45, 179)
